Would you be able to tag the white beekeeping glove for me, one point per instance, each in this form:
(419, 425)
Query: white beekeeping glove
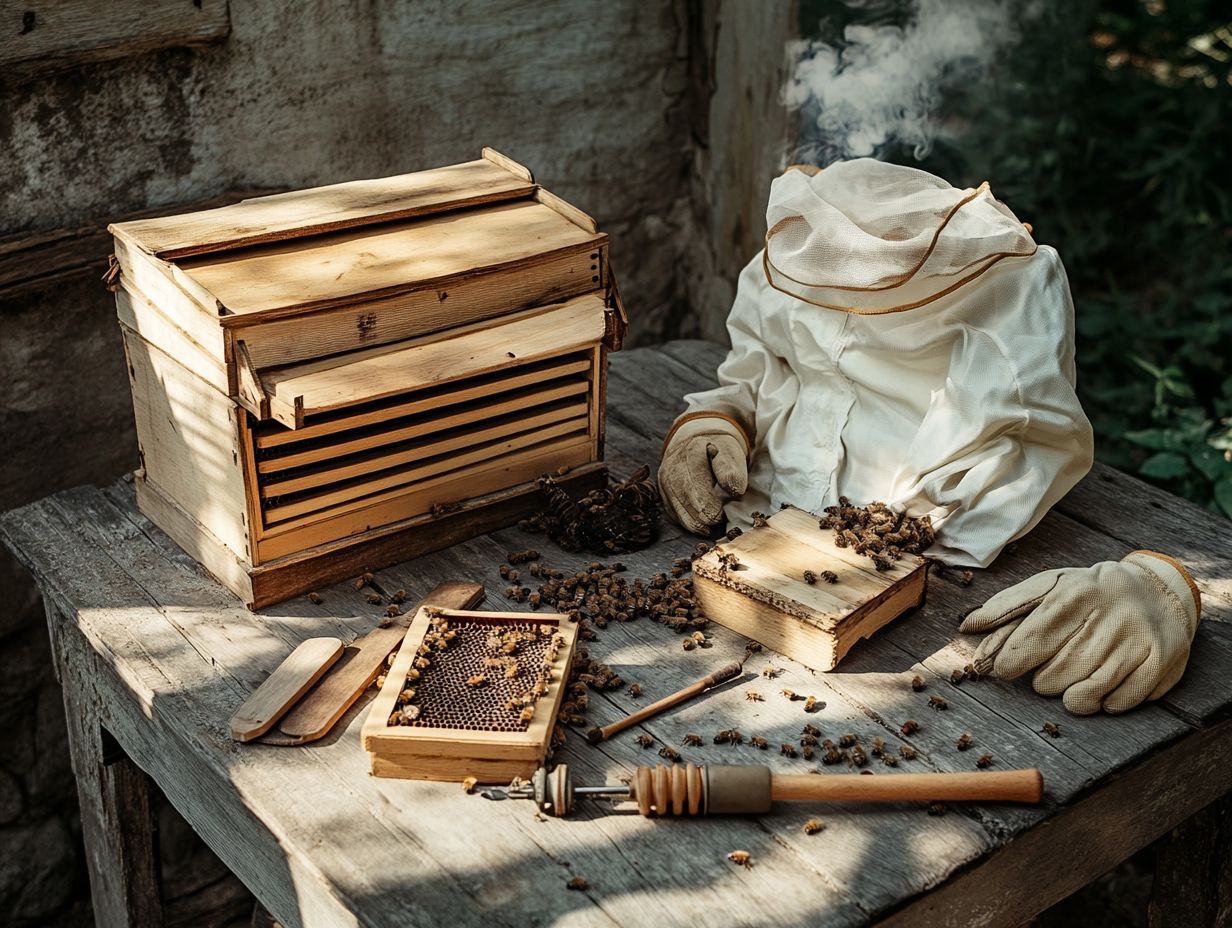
(1108, 635)
(705, 463)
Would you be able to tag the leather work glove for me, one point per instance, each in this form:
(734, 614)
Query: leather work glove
(705, 463)
(1108, 635)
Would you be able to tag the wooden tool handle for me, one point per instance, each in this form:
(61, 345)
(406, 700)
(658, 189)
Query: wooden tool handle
(595, 735)
(992, 786)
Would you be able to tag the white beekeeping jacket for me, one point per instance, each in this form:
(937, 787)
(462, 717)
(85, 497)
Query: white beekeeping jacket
(902, 340)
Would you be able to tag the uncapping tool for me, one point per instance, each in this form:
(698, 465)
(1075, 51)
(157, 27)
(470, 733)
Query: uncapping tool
(722, 675)
(718, 789)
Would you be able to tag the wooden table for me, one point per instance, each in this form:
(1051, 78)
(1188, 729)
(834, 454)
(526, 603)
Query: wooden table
(154, 657)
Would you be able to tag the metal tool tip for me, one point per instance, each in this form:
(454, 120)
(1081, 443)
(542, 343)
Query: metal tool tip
(494, 794)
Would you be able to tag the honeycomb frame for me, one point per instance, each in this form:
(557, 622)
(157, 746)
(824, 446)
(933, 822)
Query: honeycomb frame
(438, 748)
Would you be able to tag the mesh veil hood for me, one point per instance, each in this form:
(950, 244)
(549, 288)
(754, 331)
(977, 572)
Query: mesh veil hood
(868, 237)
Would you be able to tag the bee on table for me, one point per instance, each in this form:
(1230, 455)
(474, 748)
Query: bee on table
(693, 741)
(741, 859)
(984, 761)
(964, 741)
(909, 727)
(1051, 728)
(937, 704)
(646, 741)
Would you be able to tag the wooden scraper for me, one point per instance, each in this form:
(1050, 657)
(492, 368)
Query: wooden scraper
(347, 679)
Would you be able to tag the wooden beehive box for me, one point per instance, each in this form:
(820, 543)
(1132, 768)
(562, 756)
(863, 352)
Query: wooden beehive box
(462, 730)
(331, 380)
(767, 599)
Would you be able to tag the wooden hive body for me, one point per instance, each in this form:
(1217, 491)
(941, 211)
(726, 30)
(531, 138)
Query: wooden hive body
(767, 599)
(330, 380)
(466, 732)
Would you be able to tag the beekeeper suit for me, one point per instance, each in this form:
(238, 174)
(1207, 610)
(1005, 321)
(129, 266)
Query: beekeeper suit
(897, 339)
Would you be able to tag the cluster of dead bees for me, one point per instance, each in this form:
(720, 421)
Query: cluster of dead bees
(877, 531)
(623, 516)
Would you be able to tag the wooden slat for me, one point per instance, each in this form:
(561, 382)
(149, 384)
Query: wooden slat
(144, 320)
(526, 403)
(442, 463)
(38, 38)
(289, 681)
(489, 476)
(303, 390)
(273, 436)
(300, 213)
(337, 267)
(443, 441)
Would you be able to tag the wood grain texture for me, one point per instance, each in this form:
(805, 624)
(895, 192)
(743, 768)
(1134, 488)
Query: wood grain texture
(314, 387)
(300, 213)
(1193, 871)
(37, 38)
(169, 654)
(290, 680)
(337, 267)
(343, 683)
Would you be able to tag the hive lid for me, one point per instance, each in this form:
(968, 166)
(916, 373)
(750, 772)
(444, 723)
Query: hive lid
(334, 246)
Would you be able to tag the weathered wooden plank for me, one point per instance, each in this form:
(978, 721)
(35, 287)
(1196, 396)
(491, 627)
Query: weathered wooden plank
(37, 38)
(1083, 841)
(1193, 871)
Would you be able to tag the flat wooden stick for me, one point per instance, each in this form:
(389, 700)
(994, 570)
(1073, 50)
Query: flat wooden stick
(302, 668)
(320, 710)
(722, 675)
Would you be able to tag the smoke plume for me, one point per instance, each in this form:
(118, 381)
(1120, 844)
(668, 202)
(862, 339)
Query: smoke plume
(886, 83)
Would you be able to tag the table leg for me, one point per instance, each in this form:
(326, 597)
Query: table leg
(1193, 871)
(117, 821)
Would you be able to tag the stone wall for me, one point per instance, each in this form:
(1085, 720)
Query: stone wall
(634, 111)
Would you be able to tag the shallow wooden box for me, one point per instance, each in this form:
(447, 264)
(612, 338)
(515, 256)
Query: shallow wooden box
(768, 600)
(331, 380)
(490, 745)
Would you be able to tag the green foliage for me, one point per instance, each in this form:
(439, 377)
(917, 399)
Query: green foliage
(1109, 127)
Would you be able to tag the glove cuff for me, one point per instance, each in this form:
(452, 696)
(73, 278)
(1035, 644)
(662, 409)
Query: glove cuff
(736, 427)
(1180, 569)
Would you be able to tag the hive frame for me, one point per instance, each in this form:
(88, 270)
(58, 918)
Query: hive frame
(453, 754)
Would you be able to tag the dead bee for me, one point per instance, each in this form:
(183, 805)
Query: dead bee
(635, 690)
(760, 520)
(882, 563)
(889, 760)
(407, 695)
(359, 583)
(971, 673)
(832, 756)
(936, 808)
(792, 695)
(392, 610)
(937, 704)
(646, 741)
(807, 752)
(477, 681)
(846, 741)
(809, 741)
(788, 750)
(917, 683)
(669, 753)
(728, 562)
(877, 748)
(812, 826)
(693, 741)
(966, 577)
(809, 577)
(984, 761)
(734, 533)
(957, 677)
(907, 752)
(759, 742)
(398, 597)
(741, 859)
(521, 557)
(812, 705)
(810, 729)
(964, 741)
(1051, 728)
(504, 571)
(373, 598)
(829, 576)
(753, 696)
(771, 672)
(909, 728)
(407, 715)
(579, 883)
(730, 736)
(315, 599)
(688, 644)
(422, 663)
